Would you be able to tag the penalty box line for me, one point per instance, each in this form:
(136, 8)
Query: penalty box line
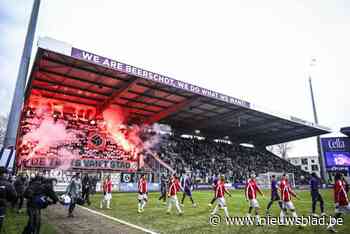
(119, 220)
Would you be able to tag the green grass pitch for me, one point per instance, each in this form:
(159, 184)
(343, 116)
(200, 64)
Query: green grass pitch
(195, 220)
(14, 223)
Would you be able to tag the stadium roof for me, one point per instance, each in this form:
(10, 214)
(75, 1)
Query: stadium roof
(346, 131)
(65, 73)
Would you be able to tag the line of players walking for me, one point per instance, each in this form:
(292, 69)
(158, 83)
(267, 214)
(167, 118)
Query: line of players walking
(39, 195)
(285, 203)
(281, 192)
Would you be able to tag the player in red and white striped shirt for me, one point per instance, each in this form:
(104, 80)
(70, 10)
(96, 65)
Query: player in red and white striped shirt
(174, 187)
(286, 196)
(220, 191)
(107, 191)
(143, 191)
(251, 189)
(341, 200)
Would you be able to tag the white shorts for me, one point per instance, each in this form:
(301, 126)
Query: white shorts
(108, 196)
(254, 203)
(221, 201)
(173, 199)
(343, 209)
(288, 205)
(142, 196)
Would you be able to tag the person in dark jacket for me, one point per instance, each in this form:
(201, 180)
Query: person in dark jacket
(274, 195)
(39, 195)
(163, 188)
(86, 188)
(19, 184)
(7, 193)
(315, 194)
(94, 184)
(74, 192)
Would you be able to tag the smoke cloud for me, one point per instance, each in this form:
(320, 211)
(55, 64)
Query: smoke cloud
(45, 133)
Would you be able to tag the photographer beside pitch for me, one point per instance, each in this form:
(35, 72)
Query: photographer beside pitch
(20, 185)
(39, 195)
(7, 193)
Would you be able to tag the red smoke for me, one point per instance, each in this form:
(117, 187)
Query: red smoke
(49, 134)
(46, 132)
(128, 137)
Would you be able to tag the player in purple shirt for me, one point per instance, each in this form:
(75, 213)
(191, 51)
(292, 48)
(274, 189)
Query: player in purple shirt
(315, 195)
(214, 184)
(187, 189)
(274, 195)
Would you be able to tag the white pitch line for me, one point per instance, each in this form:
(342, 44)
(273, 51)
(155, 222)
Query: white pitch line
(119, 220)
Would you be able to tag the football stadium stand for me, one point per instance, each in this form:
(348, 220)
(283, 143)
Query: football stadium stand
(78, 86)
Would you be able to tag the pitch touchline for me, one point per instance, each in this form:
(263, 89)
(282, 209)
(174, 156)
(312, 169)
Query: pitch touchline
(119, 220)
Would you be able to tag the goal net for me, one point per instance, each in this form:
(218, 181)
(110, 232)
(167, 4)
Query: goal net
(264, 180)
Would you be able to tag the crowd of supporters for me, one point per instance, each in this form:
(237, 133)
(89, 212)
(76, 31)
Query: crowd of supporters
(203, 158)
(90, 137)
(206, 158)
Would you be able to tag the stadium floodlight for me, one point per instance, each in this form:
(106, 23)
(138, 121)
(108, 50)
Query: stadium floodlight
(197, 131)
(18, 96)
(318, 139)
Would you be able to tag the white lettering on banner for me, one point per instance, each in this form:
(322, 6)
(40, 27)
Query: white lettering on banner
(139, 72)
(96, 59)
(194, 89)
(182, 85)
(134, 70)
(145, 74)
(108, 164)
(106, 62)
(114, 65)
(337, 144)
(236, 101)
(120, 66)
(155, 77)
(224, 98)
(337, 168)
(209, 93)
(87, 56)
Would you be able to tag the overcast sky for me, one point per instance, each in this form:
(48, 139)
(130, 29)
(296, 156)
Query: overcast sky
(255, 50)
